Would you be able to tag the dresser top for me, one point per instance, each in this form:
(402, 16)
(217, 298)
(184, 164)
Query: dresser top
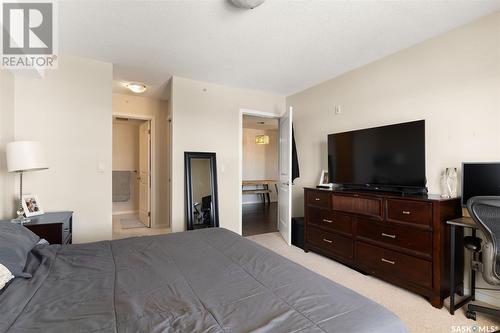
(49, 218)
(427, 197)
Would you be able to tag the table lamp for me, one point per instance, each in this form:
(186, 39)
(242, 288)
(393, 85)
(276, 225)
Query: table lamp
(24, 156)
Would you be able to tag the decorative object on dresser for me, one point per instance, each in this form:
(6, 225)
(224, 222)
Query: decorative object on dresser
(401, 239)
(31, 205)
(324, 181)
(23, 156)
(55, 228)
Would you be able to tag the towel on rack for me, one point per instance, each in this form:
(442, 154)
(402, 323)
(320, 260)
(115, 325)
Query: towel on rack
(121, 186)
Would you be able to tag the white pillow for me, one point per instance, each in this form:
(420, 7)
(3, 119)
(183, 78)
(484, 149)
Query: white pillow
(5, 276)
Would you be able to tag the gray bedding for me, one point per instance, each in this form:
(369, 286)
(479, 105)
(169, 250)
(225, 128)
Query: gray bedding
(209, 280)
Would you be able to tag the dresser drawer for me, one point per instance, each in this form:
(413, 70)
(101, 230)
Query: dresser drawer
(318, 199)
(330, 242)
(329, 220)
(408, 211)
(358, 205)
(383, 262)
(411, 239)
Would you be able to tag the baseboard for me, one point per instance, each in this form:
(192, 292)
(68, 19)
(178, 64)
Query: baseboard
(125, 212)
(486, 296)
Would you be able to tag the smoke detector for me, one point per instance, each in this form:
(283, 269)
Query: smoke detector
(247, 4)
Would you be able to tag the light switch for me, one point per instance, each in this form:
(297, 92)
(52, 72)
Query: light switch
(101, 167)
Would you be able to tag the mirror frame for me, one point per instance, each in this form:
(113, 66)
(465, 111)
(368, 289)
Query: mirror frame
(188, 156)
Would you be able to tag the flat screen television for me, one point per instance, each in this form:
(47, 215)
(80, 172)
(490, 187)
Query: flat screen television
(480, 179)
(387, 158)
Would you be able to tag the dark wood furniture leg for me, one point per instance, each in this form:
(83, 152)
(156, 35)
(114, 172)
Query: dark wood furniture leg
(267, 194)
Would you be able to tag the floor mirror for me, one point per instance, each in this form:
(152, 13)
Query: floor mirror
(201, 190)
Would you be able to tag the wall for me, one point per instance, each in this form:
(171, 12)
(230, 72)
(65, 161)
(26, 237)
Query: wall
(205, 118)
(7, 193)
(452, 81)
(136, 106)
(260, 161)
(126, 158)
(69, 112)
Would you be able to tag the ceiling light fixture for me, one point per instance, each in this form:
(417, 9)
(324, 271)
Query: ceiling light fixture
(247, 4)
(136, 87)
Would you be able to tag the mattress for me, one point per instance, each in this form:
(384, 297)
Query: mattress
(209, 280)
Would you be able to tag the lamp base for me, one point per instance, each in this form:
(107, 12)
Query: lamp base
(20, 219)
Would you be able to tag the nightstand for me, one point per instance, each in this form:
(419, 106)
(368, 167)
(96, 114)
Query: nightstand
(56, 228)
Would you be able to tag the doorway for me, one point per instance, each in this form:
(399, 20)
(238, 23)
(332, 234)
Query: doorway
(132, 156)
(260, 175)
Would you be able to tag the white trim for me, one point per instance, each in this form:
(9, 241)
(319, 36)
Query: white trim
(248, 112)
(152, 126)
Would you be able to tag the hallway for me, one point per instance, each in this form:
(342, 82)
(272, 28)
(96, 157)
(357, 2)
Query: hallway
(259, 218)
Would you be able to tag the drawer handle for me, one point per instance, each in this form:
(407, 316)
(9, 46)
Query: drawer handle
(406, 212)
(388, 236)
(388, 261)
(327, 240)
(317, 199)
(327, 221)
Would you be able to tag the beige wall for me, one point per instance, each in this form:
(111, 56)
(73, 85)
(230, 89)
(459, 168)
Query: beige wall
(126, 158)
(7, 195)
(134, 106)
(260, 161)
(69, 112)
(206, 119)
(452, 81)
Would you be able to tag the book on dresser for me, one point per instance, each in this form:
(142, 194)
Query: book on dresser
(403, 240)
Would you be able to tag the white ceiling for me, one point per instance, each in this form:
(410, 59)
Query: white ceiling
(282, 46)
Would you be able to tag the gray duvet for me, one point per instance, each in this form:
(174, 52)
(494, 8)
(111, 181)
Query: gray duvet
(209, 280)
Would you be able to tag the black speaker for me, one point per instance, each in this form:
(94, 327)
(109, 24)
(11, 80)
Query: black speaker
(298, 232)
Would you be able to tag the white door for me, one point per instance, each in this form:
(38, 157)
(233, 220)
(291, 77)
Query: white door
(145, 173)
(285, 172)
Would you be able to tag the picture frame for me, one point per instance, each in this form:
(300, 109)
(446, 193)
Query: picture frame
(31, 205)
(324, 180)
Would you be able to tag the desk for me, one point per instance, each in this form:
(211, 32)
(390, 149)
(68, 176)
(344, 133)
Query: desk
(462, 222)
(260, 182)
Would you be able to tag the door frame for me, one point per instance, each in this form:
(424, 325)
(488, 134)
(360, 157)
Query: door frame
(152, 162)
(254, 113)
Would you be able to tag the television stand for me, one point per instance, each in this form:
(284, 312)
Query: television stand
(402, 239)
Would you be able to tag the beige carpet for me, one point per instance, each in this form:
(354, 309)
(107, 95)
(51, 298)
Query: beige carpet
(417, 313)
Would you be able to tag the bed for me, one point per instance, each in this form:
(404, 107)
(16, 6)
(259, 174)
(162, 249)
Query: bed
(210, 280)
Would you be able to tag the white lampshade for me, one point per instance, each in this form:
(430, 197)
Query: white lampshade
(25, 156)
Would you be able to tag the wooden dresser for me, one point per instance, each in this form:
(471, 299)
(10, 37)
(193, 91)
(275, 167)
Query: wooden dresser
(401, 239)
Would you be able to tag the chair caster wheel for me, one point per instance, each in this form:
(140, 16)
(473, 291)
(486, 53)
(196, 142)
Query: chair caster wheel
(470, 315)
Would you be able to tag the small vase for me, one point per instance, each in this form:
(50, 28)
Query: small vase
(449, 180)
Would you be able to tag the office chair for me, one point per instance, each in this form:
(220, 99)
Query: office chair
(485, 211)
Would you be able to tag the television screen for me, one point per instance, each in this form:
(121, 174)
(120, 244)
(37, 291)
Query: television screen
(480, 179)
(387, 156)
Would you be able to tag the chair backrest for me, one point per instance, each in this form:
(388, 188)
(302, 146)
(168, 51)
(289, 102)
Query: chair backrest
(206, 203)
(485, 211)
